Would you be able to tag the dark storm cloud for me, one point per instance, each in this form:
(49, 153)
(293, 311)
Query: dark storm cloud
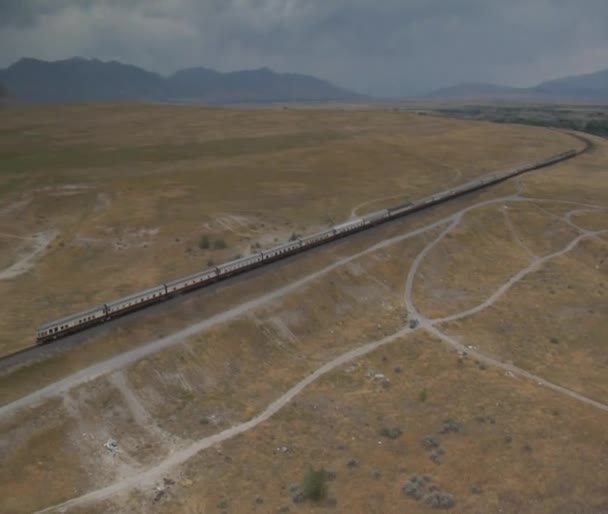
(378, 46)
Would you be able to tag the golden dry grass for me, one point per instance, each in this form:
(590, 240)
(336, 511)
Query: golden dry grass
(522, 448)
(131, 189)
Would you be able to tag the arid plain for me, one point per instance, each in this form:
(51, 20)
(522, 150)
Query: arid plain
(219, 401)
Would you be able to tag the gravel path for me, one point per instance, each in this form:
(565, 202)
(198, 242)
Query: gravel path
(26, 262)
(151, 475)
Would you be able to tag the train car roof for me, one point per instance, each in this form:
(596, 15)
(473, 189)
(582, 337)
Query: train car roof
(136, 295)
(190, 277)
(242, 259)
(72, 317)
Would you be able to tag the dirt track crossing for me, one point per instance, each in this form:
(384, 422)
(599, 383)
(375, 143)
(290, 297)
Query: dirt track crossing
(149, 476)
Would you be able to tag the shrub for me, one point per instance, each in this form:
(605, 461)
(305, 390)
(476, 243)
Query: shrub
(204, 243)
(219, 244)
(440, 500)
(390, 433)
(430, 442)
(451, 425)
(414, 490)
(294, 237)
(315, 484)
(422, 396)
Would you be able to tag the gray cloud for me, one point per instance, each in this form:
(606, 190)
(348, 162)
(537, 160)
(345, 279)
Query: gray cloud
(378, 46)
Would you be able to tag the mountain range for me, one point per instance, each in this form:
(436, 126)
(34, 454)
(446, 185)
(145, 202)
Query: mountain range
(591, 87)
(80, 80)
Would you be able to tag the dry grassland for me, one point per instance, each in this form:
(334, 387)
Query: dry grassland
(124, 193)
(511, 445)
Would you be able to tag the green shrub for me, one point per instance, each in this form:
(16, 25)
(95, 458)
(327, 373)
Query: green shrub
(219, 244)
(204, 243)
(315, 484)
(422, 396)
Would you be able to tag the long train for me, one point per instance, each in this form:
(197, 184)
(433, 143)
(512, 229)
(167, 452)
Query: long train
(101, 313)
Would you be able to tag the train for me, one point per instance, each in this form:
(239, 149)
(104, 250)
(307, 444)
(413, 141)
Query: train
(107, 311)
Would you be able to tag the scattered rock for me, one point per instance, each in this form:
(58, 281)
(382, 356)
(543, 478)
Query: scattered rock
(299, 497)
(112, 446)
(159, 494)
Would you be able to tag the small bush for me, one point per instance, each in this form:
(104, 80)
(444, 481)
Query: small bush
(440, 500)
(219, 244)
(430, 442)
(413, 489)
(294, 237)
(422, 396)
(451, 425)
(390, 433)
(314, 486)
(204, 243)
(436, 455)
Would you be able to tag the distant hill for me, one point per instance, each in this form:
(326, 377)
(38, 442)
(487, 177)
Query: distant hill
(590, 87)
(476, 90)
(78, 79)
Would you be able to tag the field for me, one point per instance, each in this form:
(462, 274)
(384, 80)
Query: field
(221, 400)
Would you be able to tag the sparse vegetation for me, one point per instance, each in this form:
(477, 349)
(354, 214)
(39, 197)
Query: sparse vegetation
(440, 500)
(390, 433)
(294, 236)
(422, 396)
(430, 442)
(451, 425)
(219, 244)
(314, 485)
(204, 243)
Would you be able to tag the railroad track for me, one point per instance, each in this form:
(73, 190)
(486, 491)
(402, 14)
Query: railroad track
(38, 351)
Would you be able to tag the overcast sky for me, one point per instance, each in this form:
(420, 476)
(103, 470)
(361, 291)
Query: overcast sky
(384, 47)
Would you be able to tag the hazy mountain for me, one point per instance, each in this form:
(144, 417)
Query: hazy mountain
(476, 90)
(590, 87)
(77, 79)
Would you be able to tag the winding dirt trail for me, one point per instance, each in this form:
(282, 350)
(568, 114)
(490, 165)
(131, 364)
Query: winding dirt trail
(155, 473)
(27, 261)
(536, 264)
